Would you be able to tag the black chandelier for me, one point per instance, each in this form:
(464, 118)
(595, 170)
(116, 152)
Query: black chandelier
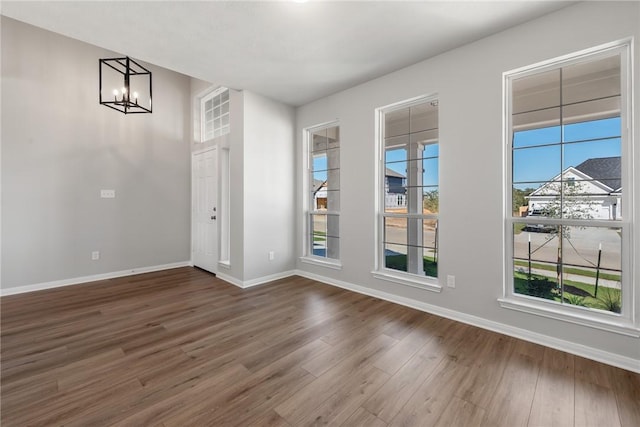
(127, 85)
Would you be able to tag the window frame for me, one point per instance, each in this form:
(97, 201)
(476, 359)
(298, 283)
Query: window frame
(626, 322)
(381, 272)
(308, 210)
(223, 130)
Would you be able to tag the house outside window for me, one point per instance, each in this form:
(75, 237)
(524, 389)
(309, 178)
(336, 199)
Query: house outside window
(409, 192)
(214, 114)
(323, 219)
(568, 188)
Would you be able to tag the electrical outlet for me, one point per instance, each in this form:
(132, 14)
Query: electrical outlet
(272, 255)
(95, 255)
(451, 281)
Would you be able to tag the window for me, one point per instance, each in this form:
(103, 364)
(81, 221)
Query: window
(409, 192)
(324, 192)
(214, 114)
(568, 225)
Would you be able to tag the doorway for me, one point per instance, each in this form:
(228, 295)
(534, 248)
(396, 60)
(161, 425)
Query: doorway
(204, 229)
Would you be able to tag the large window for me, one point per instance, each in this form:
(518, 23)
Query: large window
(409, 192)
(568, 184)
(324, 192)
(214, 114)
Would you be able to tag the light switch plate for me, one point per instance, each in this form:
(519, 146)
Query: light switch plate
(108, 194)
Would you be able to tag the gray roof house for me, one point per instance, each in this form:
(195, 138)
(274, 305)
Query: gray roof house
(600, 188)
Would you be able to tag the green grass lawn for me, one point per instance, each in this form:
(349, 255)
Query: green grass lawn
(576, 293)
(399, 262)
(568, 270)
(319, 236)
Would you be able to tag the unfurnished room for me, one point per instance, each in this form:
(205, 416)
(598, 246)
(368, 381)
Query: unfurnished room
(296, 213)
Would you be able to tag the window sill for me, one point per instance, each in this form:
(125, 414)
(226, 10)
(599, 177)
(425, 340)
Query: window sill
(572, 315)
(417, 282)
(335, 264)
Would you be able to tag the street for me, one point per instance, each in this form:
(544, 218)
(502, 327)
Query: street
(580, 247)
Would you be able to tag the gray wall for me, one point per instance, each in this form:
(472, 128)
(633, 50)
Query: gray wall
(269, 186)
(469, 83)
(60, 147)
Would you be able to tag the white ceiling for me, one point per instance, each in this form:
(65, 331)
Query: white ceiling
(289, 51)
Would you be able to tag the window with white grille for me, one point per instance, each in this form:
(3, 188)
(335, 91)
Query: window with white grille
(214, 114)
(409, 190)
(568, 186)
(323, 237)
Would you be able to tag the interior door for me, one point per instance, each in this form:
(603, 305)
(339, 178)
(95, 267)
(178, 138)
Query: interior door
(204, 252)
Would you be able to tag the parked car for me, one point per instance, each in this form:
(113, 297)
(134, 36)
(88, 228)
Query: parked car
(539, 228)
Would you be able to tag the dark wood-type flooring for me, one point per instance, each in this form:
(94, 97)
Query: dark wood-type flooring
(182, 348)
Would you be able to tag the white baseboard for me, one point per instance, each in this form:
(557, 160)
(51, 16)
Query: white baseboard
(598, 355)
(229, 279)
(254, 282)
(92, 278)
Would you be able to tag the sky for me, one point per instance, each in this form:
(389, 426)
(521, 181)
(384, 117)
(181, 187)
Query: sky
(396, 160)
(536, 155)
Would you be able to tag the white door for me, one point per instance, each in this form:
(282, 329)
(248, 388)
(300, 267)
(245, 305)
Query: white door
(204, 241)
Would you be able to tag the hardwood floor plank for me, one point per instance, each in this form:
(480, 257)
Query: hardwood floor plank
(595, 405)
(417, 337)
(162, 395)
(196, 398)
(181, 347)
(431, 399)
(291, 340)
(269, 419)
(405, 323)
(347, 398)
(460, 413)
(512, 399)
(488, 367)
(593, 372)
(254, 398)
(33, 362)
(321, 363)
(73, 405)
(198, 368)
(246, 400)
(626, 386)
(14, 397)
(363, 418)
(389, 400)
(13, 338)
(554, 398)
(312, 396)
